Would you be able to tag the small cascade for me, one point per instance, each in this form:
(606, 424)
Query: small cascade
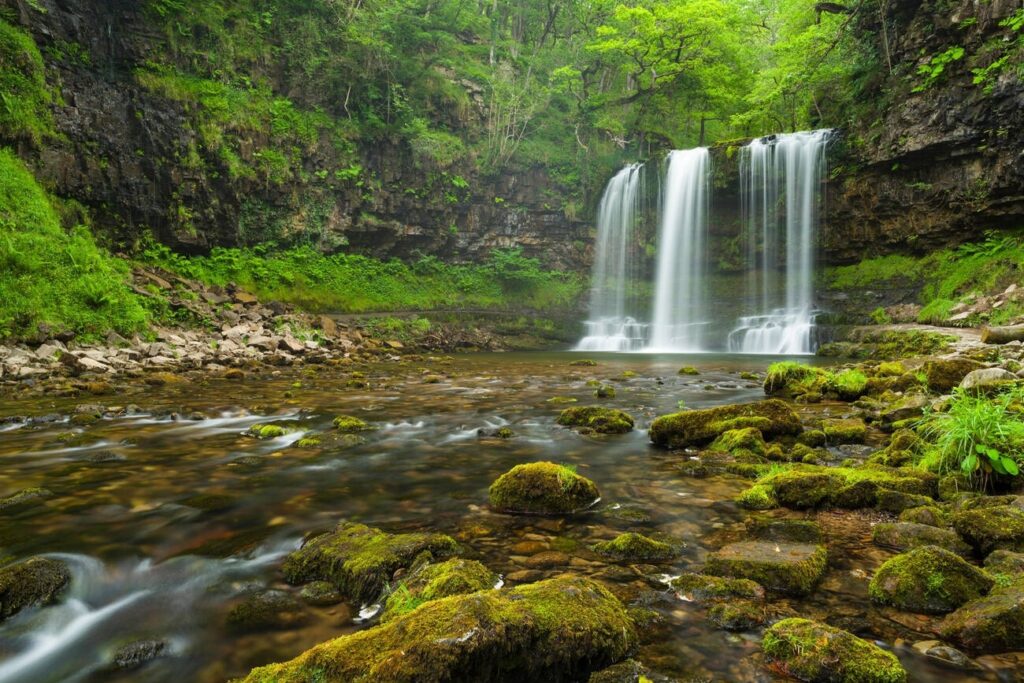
(679, 320)
(612, 326)
(781, 180)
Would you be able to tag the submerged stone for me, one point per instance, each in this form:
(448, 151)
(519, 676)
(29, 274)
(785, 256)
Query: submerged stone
(789, 568)
(790, 530)
(698, 427)
(597, 419)
(561, 629)
(738, 615)
(928, 580)
(36, 581)
(634, 547)
(133, 655)
(434, 581)
(542, 488)
(909, 535)
(990, 528)
(267, 610)
(702, 588)
(818, 653)
(360, 560)
(267, 431)
(321, 594)
(991, 624)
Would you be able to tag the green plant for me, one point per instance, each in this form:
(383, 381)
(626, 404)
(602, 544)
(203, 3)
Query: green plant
(935, 67)
(880, 317)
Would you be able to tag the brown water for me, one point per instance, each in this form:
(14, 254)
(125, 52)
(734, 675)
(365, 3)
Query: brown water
(172, 514)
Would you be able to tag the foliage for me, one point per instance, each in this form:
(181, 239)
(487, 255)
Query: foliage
(52, 277)
(932, 70)
(24, 96)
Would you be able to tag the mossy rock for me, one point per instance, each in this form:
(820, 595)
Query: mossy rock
(846, 430)
(738, 615)
(604, 391)
(269, 610)
(946, 374)
(791, 380)
(360, 560)
(321, 594)
(542, 488)
(789, 568)
(699, 427)
(705, 588)
(748, 440)
(561, 629)
(1005, 562)
(810, 486)
(991, 528)
(629, 671)
(908, 535)
(815, 652)
(909, 407)
(584, 363)
(346, 424)
(597, 419)
(898, 501)
(928, 580)
(992, 624)
(268, 431)
(688, 370)
(929, 515)
(814, 438)
(633, 547)
(758, 497)
(23, 499)
(36, 581)
(788, 530)
(951, 486)
(434, 581)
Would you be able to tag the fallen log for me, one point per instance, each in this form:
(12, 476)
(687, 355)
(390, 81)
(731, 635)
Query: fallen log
(1002, 335)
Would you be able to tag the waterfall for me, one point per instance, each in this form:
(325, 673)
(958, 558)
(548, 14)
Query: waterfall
(781, 180)
(679, 296)
(612, 325)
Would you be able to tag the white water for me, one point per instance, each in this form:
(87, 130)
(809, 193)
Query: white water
(611, 326)
(680, 316)
(788, 167)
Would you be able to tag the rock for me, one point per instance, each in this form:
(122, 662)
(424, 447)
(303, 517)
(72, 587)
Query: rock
(629, 671)
(244, 298)
(704, 588)
(790, 379)
(542, 488)
(740, 442)
(23, 499)
(689, 370)
(604, 391)
(925, 514)
(267, 610)
(548, 559)
(49, 351)
(991, 528)
(263, 431)
(840, 431)
(908, 535)
(434, 581)
(360, 560)
(634, 547)
(329, 327)
(291, 345)
(134, 655)
(991, 624)
(987, 380)
(737, 615)
(928, 580)
(351, 425)
(898, 501)
(812, 486)
(944, 375)
(36, 581)
(560, 629)
(790, 568)
(908, 407)
(597, 419)
(1005, 562)
(698, 427)
(321, 594)
(817, 653)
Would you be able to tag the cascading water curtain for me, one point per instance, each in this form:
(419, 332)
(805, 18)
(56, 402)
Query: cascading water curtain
(680, 297)
(612, 325)
(782, 178)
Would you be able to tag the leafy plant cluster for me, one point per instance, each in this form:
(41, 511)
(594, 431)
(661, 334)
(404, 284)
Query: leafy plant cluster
(24, 96)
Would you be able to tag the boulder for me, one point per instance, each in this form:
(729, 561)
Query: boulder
(814, 652)
(542, 488)
(848, 430)
(945, 374)
(994, 623)
(561, 629)
(909, 535)
(1005, 562)
(789, 568)
(23, 499)
(928, 580)
(133, 655)
(596, 419)
(991, 528)
(929, 515)
(634, 547)
(36, 581)
(906, 408)
(987, 380)
(748, 441)
(360, 560)
(738, 615)
(347, 424)
(267, 610)
(811, 486)
(705, 588)
(434, 581)
(698, 427)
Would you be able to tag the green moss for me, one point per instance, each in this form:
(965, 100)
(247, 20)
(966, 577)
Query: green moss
(987, 529)
(735, 441)
(846, 430)
(584, 363)
(597, 419)
(991, 624)
(360, 560)
(698, 427)
(789, 378)
(908, 535)
(898, 501)
(758, 497)
(36, 581)
(542, 488)
(434, 581)
(811, 486)
(689, 370)
(944, 375)
(890, 369)
(262, 431)
(23, 499)
(812, 651)
(925, 514)
(558, 629)
(928, 580)
(350, 425)
(701, 588)
(790, 568)
(266, 610)
(636, 548)
(849, 385)
(737, 615)
(604, 391)
(25, 109)
(308, 442)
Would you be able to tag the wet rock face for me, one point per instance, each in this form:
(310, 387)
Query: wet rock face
(815, 652)
(37, 581)
(557, 630)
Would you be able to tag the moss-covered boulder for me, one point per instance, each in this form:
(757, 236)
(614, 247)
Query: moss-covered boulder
(991, 528)
(266, 611)
(994, 623)
(748, 441)
(815, 652)
(945, 374)
(898, 501)
(557, 630)
(346, 424)
(36, 581)
(360, 560)
(434, 581)
(906, 408)
(596, 419)
(268, 431)
(1005, 562)
(633, 547)
(321, 594)
(738, 615)
(810, 486)
(928, 580)
(758, 497)
(845, 430)
(929, 515)
(909, 535)
(542, 488)
(790, 379)
(705, 588)
(699, 427)
(789, 568)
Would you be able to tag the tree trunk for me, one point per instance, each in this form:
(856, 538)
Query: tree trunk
(1002, 335)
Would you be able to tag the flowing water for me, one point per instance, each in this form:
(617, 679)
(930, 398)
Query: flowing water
(169, 514)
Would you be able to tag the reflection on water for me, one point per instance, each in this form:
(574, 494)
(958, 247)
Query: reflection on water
(170, 514)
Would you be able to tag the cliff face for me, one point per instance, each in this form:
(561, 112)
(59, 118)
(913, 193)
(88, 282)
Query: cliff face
(141, 160)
